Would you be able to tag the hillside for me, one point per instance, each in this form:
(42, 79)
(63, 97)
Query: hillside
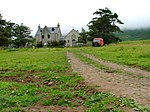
(135, 34)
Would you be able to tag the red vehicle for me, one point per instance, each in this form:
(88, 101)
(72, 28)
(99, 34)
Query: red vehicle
(98, 42)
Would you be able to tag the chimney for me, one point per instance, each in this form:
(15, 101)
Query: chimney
(58, 25)
(0, 14)
(39, 27)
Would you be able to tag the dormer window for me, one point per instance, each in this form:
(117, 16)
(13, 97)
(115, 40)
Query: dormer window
(53, 29)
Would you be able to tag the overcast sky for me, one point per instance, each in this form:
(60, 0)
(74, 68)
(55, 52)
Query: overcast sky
(73, 13)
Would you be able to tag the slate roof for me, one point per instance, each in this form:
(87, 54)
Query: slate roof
(53, 29)
(70, 32)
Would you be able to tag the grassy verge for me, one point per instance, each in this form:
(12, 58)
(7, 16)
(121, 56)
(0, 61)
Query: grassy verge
(136, 54)
(96, 64)
(125, 101)
(105, 68)
(44, 76)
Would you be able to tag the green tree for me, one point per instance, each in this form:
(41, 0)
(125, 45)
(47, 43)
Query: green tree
(3, 41)
(9, 29)
(104, 26)
(6, 29)
(22, 34)
(83, 36)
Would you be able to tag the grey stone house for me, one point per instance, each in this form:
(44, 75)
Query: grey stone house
(48, 34)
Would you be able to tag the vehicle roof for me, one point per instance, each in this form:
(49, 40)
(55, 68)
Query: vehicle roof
(98, 39)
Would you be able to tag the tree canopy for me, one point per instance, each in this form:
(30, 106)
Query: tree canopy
(5, 31)
(11, 33)
(104, 26)
(22, 34)
(83, 36)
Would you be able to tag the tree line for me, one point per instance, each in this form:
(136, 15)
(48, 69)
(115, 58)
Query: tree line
(103, 25)
(13, 35)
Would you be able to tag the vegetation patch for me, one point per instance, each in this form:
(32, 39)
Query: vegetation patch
(96, 64)
(135, 54)
(44, 77)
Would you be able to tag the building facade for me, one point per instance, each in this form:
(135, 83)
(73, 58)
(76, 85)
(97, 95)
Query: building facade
(72, 38)
(48, 34)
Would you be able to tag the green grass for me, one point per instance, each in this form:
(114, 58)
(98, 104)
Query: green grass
(9, 73)
(46, 64)
(98, 65)
(136, 54)
(31, 60)
(104, 68)
(29, 72)
(16, 95)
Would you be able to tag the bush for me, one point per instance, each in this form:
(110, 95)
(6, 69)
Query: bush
(61, 43)
(39, 45)
(3, 41)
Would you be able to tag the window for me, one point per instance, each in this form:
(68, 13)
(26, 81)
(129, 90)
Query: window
(40, 30)
(68, 41)
(53, 29)
(48, 36)
(42, 36)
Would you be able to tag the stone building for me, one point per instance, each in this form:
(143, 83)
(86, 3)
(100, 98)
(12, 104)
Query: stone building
(72, 38)
(48, 34)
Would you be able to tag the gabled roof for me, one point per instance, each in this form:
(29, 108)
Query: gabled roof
(39, 32)
(52, 30)
(72, 31)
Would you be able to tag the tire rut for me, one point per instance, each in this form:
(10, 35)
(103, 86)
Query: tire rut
(123, 85)
(135, 71)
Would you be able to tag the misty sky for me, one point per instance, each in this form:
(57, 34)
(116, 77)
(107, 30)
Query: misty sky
(73, 13)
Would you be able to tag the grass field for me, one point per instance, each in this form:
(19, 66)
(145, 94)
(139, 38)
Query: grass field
(44, 76)
(132, 53)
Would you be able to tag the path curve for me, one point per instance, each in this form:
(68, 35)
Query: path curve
(135, 71)
(120, 85)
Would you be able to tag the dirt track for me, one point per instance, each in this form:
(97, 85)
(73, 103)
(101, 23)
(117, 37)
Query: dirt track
(123, 85)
